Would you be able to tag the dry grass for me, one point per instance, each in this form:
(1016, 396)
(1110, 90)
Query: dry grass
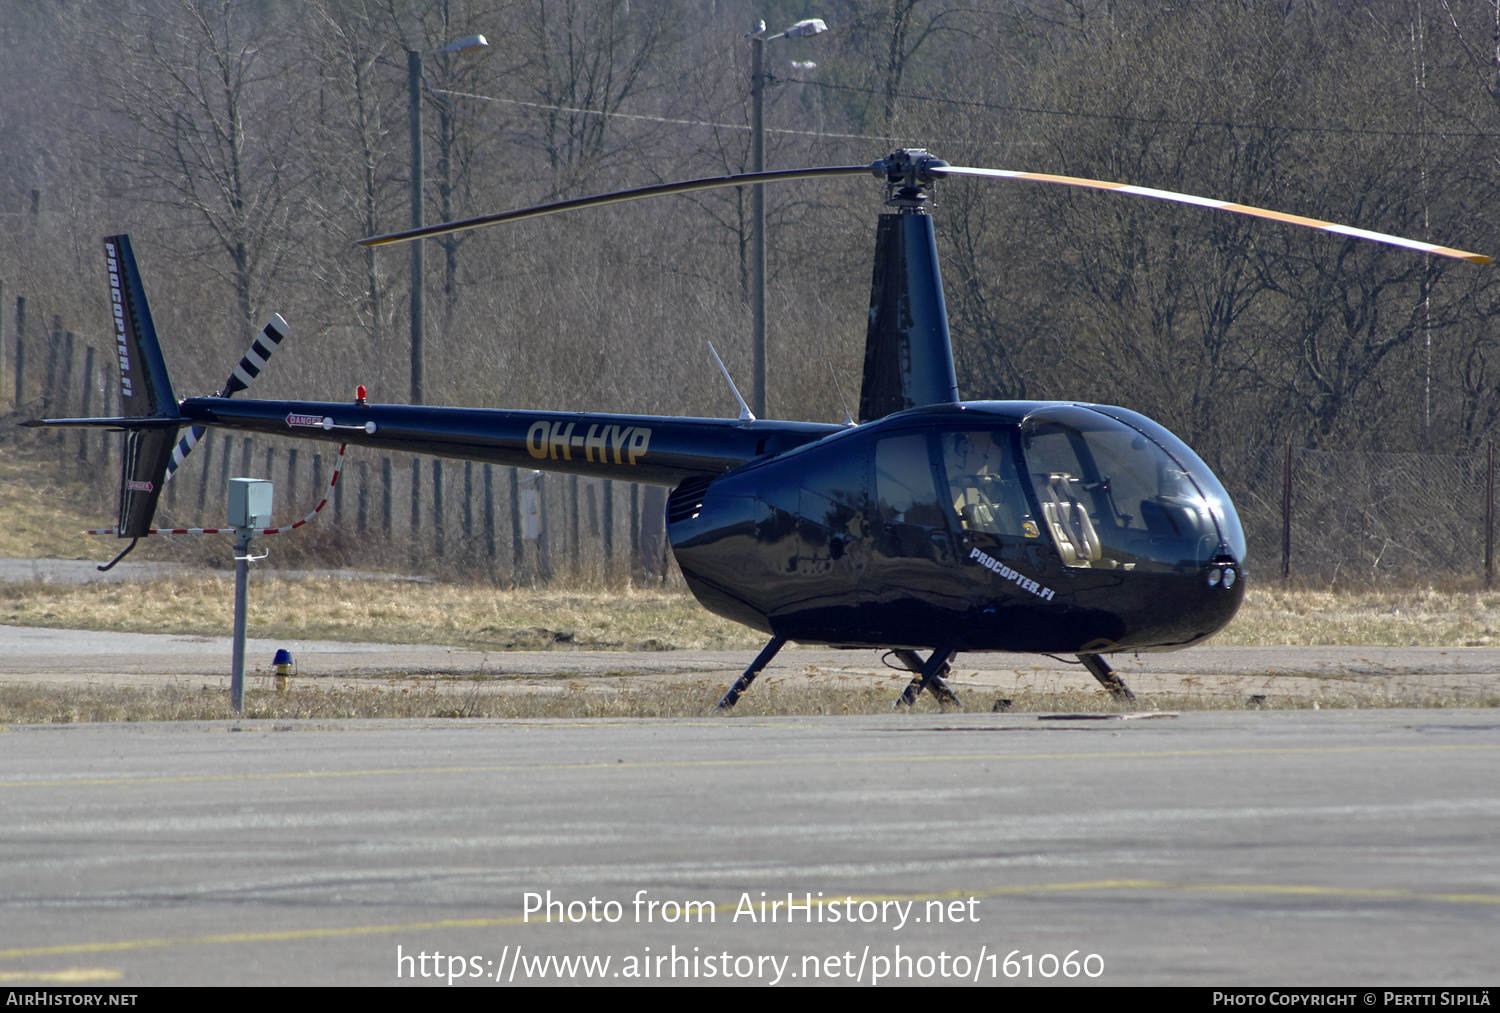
(626, 619)
(46, 506)
(1434, 616)
(39, 704)
(461, 615)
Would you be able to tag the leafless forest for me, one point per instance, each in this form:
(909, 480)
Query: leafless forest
(246, 145)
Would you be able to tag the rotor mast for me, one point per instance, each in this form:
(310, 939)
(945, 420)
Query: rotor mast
(908, 349)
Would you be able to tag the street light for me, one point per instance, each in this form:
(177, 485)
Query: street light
(471, 44)
(758, 40)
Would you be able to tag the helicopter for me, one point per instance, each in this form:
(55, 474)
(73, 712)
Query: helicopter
(929, 524)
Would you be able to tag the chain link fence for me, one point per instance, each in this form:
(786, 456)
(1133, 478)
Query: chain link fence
(1359, 517)
(1317, 517)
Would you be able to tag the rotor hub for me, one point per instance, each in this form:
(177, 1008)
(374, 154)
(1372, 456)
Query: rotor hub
(908, 177)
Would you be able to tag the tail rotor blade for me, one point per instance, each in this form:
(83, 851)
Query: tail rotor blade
(1218, 205)
(254, 359)
(250, 365)
(184, 447)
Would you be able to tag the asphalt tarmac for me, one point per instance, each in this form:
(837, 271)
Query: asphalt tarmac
(1217, 848)
(1210, 848)
(1235, 674)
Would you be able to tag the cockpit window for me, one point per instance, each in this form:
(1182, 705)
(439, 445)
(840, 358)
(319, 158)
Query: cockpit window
(984, 483)
(1112, 499)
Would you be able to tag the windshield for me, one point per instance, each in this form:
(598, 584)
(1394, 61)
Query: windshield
(1112, 499)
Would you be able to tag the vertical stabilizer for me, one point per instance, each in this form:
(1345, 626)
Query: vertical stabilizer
(908, 352)
(145, 392)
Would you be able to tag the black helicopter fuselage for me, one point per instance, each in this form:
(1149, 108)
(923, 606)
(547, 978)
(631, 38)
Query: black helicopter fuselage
(992, 525)
(1076, 529)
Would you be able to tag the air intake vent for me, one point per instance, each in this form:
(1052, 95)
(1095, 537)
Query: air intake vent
(687, 499)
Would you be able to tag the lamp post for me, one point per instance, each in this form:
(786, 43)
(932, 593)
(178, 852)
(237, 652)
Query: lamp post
(758, 40)
(472, 44)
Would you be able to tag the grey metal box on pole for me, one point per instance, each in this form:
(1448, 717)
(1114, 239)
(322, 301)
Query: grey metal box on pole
(249, 508)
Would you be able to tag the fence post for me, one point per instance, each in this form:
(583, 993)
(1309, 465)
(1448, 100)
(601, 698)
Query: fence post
(574, 555)
(225, 468)
(208, 463)
(318, 478)
(362, 507)
(1489, 517)
(416, 507)
(635, 531)
(385, 496)
(106, 398)
(67, 382)
(88, 401)
(517, 546)
(20, 347)
(291, 477)
(608, 523)
(53, 344)
(1286, 516)
(543, 546)
(437, 506)
(489, 511)
(468, 517)
(245, 452)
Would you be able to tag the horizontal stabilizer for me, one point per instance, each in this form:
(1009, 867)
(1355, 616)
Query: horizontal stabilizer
(117, 422)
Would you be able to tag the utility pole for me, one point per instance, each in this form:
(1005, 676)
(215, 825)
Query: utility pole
(758, 224)
(471, 44)
(414, 113)
(758, 40)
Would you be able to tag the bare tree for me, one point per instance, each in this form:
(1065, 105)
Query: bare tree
(202, 84)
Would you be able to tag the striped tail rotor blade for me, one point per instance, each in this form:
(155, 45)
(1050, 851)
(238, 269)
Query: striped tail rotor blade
(251, 363)
(1218, 205)
(254, 359)
(184, 447)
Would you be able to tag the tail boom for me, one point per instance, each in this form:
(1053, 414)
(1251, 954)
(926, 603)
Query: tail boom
(652, 449)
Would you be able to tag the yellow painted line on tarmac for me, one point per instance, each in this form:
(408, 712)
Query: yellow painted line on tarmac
(288, 935)
(1086, 886)
(67, 976)
(795, 761)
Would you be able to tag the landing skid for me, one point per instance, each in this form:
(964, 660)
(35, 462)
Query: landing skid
(1100, 670)
(929, 676)
(743, 682)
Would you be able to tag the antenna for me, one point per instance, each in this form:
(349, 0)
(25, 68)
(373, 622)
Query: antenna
(746, 416)
(848, 419)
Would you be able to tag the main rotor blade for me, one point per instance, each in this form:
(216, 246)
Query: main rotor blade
(659, 190)
(1218, 205)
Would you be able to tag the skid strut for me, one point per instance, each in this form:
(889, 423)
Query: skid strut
(743, 682)
(929, 676)
(1100, 670)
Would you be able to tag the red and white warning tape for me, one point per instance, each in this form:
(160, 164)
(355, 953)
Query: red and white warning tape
(259, 531)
